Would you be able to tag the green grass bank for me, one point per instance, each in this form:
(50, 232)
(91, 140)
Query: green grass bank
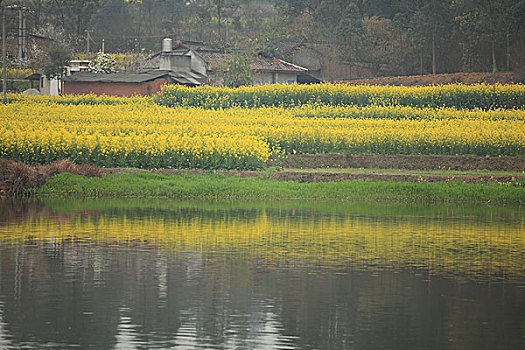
(222, 186)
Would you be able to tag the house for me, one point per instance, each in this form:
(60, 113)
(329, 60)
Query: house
(53, 87)
(44, 85)
(78, 80)
(197, 57)
(266, 69)
(143, 83)
(76, 66)
(179, 64)
(173, 68)
(321, 60)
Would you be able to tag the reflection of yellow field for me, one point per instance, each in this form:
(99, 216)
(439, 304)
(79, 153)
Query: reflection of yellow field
(459, 247)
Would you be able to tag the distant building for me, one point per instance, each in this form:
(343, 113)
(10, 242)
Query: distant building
(197, 57)
(180, 64)
(126, 83)
(267, 70)
(321, 60)
(76, 66)
(46, 86)
(53, 87)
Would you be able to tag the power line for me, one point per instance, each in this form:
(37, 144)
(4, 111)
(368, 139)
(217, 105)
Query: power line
(21, 32)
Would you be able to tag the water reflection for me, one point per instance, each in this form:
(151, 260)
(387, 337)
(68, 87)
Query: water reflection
(165, 274)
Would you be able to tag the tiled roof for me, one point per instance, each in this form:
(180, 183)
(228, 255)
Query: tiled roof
(184, 78)
(286, 46)
(260, 63)
(188, 78)
(152, 62)
(119, 77)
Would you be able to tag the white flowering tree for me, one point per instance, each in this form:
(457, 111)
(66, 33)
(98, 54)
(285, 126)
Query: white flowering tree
(103, 63)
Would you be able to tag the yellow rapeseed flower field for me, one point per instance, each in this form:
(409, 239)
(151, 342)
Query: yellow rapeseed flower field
(455, 95)
(126, 135)
(135, 132)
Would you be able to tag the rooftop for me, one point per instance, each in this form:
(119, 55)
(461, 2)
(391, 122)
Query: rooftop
(185, 78)
(119, 77)
(262, 62)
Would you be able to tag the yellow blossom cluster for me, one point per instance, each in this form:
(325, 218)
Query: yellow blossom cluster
(16, 73)
(145, 136)
(136, 132)
(481, 96)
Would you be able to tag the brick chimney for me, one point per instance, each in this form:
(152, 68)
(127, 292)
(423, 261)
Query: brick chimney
(276, 62)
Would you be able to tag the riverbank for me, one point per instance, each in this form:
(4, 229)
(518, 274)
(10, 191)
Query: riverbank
(395, 178)
(143, 184)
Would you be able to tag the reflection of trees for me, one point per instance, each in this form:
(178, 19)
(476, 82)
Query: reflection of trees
(50, 294)
(367, 310)
(16, 210)
(5, 340)
(73, 293)
(215, 299)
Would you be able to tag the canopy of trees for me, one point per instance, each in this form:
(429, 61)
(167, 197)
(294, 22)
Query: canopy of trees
(391, 37)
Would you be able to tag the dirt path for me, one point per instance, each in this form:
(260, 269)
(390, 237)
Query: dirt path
(341, 161)
(334, 176)
(327, 176)
(337, 167)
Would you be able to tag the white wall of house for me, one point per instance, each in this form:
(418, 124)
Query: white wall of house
(197, 63)
(49, 86)
(177, 63)
(77, 66)
(263, 78)
(183, 63)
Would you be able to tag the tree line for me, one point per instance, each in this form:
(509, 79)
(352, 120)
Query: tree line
(390, 37)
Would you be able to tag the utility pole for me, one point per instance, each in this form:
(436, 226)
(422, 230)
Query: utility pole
(4, 72)
(88, 39)
(24, 34)
(20, 35)
(21, 30)
(508, 51)
(21, 43)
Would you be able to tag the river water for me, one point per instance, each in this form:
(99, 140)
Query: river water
(145, 274)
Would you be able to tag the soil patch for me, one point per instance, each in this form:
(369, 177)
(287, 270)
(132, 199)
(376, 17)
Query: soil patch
(285, 175)
(342, 161)
(327, 177)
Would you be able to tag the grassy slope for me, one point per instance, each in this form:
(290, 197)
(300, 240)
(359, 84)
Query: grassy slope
(221, 186)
